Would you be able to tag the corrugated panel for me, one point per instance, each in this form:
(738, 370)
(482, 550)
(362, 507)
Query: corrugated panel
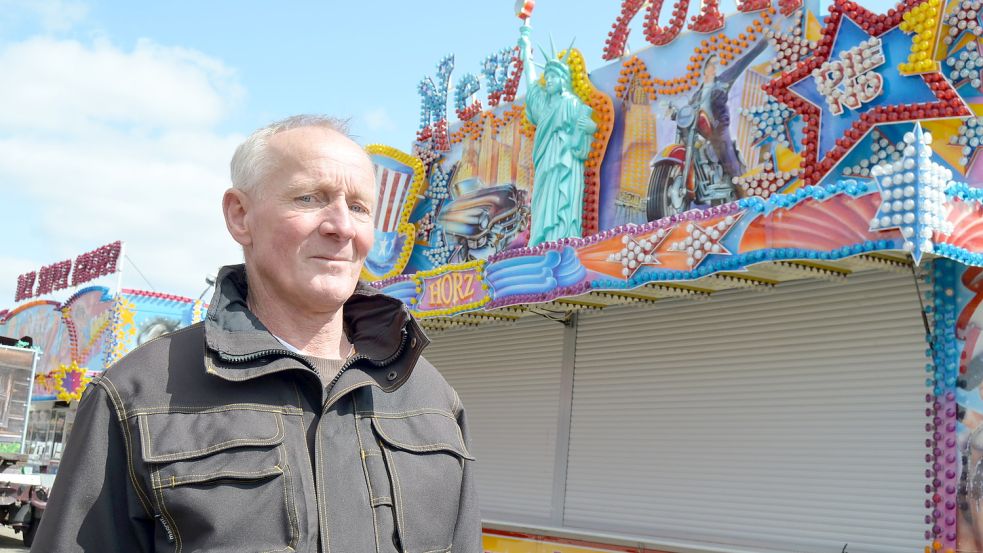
(788, 421)
(509, 380)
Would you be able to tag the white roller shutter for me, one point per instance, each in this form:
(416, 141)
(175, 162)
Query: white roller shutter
(787, 421)
(509, 379)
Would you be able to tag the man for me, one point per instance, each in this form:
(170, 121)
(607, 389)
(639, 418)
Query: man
(712, 98)
(299, 416)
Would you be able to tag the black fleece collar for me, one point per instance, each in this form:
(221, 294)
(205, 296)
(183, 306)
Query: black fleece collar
(380, 326)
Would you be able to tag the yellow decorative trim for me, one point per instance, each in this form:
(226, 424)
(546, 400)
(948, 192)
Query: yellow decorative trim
(198, 312)
(603, 115)
(478, 265)
(404, 227)
(578, 73)
(924, 20)
(124, 327)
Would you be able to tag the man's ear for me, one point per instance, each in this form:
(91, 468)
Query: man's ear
(235, 205)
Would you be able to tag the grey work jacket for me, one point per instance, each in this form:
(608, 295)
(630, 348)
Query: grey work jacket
(214, 438)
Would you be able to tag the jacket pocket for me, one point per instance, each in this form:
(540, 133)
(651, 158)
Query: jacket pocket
(423, 458)
(221, 480)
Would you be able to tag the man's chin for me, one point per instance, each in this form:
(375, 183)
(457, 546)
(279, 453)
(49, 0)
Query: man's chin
(331, 294)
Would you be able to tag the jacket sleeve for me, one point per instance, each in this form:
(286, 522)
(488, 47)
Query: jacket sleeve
(467, 533)
(93, 506)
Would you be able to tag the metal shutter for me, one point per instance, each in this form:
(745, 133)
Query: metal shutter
(787, 421)
(508, 378)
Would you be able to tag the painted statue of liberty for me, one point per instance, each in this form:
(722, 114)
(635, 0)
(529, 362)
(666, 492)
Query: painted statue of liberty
(564, 132)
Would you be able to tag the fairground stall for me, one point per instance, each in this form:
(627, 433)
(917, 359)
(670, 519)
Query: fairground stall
(79, 338)
(719, 295)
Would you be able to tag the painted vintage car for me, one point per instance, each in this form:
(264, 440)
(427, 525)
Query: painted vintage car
(481, 220)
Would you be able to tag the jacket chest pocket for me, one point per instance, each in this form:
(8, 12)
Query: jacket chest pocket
(415, 468)
(220, 480)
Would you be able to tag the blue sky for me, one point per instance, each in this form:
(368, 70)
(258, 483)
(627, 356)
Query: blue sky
(120, 117)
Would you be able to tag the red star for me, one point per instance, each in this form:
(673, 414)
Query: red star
(947, 104)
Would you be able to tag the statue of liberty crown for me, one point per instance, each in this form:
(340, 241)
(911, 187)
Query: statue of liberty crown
(557, 64)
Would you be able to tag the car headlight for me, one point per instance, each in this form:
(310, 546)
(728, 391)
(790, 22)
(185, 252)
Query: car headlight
(484, 221)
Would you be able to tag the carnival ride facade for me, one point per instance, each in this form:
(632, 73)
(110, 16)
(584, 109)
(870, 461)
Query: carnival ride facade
(763, 151)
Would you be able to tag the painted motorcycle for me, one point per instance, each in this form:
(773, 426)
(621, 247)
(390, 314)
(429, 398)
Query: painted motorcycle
(688, 170)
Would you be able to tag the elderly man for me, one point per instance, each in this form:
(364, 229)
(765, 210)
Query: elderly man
(299, 416)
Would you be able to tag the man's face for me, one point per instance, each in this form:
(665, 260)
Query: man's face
(710, 71)
(310, 221)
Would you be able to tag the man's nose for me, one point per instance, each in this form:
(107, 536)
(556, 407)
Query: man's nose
(337, 221)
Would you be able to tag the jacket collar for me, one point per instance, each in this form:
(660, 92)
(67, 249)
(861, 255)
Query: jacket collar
(239, 347)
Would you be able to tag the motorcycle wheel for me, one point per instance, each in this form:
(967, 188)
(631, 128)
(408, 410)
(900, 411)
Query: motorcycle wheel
(667, 191)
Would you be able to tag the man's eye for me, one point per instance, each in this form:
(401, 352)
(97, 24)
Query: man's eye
(306, 199)
(358, 208)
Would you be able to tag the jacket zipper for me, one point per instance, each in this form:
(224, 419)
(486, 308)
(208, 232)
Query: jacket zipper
(263, 353)
(318, 479)
(358, 357)
(318, 500)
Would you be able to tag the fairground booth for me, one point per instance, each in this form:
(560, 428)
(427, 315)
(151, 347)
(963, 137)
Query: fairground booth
(718, 295)
(76, 340)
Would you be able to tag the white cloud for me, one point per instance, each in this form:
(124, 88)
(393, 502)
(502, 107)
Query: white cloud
(68, 86)
(379, 119)
(121, 144)
(54, 15)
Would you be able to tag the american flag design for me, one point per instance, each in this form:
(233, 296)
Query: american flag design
(392, 186)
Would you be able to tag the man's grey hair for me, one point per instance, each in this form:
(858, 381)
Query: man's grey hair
(251, 161)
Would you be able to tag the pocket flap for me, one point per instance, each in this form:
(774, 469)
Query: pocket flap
(422, 433)
(173, 480)
(177, 436)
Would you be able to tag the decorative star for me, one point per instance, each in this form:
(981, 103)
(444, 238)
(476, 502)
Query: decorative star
(829, 137)
(70, 381)
(426, 154)
(770, 120)
(789, 48)
(964, 19)
(766, 182)
(439, 252)
(970, 137)
(881, 149)
(913, 195)
(638, 251)
(964, 65)
(703, 239)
